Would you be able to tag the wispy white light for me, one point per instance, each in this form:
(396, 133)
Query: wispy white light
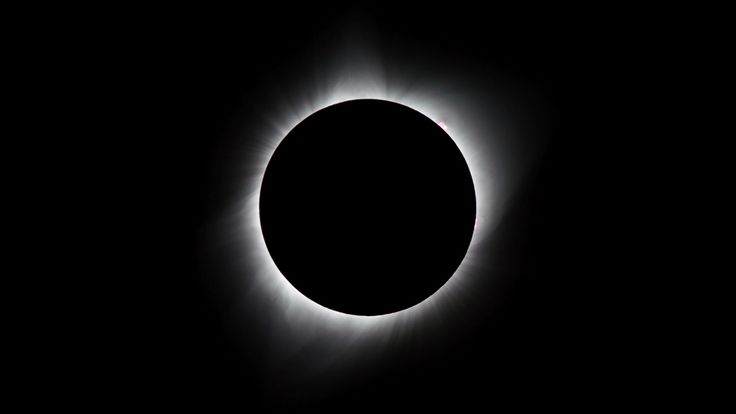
(484, 120)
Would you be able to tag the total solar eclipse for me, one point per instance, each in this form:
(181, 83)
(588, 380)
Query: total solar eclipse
(367, 207)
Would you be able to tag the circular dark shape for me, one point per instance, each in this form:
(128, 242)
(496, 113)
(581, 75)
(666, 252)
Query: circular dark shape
(367, 207)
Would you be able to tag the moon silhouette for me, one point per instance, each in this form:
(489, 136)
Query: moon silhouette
(367, 207)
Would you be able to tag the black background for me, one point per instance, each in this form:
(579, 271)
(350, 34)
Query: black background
(167, 91)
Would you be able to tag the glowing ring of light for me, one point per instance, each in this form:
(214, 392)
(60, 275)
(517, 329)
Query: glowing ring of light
(300, 311)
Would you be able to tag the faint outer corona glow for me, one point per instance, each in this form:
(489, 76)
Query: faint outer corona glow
(305, 315)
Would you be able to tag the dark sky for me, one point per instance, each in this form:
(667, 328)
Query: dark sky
(173, 86)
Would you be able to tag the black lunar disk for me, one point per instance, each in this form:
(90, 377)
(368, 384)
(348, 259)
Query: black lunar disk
(367, 207)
